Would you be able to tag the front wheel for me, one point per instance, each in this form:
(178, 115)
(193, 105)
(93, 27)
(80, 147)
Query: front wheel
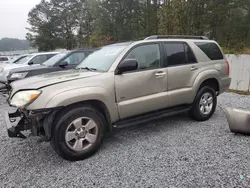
(204, 104)
(79, 133)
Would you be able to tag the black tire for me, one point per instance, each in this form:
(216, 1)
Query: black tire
(195, 112)
(63, 120)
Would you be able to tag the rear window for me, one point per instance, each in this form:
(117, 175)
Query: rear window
(212, 50)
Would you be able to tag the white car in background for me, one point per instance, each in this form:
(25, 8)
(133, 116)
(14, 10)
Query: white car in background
(30, 60)
(4, 59)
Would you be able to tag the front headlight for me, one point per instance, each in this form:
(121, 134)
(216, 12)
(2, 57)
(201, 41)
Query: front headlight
(1, 69)
(19, 75)
(22, 98)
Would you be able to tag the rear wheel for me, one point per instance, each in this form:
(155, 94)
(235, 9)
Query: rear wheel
(204, 104)
(79, 133)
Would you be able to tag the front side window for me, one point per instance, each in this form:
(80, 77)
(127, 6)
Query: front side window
(39, 59)
(75, 58)
(147, 56)
(53, 60)
(50, 56)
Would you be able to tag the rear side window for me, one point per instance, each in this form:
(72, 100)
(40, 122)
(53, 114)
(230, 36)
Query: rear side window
(212, 50)
(190, 55)
(179, 54)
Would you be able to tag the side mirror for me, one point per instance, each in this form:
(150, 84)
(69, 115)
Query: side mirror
(30, 63)
(126, 66)
(63, 64)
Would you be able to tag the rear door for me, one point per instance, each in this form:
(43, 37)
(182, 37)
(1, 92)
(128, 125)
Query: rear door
(182, 71)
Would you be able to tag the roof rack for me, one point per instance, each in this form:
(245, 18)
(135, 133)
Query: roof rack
(176, 37)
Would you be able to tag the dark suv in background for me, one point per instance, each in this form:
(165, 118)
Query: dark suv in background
(62, 61)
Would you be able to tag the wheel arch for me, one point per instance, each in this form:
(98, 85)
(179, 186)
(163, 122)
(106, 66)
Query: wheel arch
(211, 82)
(207, 78)
(50, 120)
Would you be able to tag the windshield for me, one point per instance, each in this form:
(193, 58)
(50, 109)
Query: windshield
(24, 60)
(55, 59)
(102, 59)
(18, 59)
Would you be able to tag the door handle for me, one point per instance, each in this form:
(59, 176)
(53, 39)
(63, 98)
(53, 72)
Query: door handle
(160, 74)
(193, 68)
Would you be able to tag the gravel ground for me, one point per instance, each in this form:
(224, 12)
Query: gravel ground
(175, 152)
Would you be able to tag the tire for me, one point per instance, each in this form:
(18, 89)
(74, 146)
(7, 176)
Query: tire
(69, 122)
(197, 112)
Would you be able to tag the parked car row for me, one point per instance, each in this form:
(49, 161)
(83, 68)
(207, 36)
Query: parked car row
(4, 59)
(38, 63)
(61, 61)
(24, 61)
(10, 59)
(117, 85)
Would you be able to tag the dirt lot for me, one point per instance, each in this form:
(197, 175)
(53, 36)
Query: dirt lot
(174, 152)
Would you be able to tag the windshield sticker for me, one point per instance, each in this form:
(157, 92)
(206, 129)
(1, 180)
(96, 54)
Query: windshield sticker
(115, 52)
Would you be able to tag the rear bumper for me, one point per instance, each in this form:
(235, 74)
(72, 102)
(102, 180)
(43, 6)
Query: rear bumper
(225, 84)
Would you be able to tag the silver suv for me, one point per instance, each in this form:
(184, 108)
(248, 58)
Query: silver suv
(119, 85)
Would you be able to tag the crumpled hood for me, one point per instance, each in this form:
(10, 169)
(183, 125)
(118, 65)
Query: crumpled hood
(43, 80)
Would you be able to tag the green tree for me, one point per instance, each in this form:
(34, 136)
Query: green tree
(43, 31)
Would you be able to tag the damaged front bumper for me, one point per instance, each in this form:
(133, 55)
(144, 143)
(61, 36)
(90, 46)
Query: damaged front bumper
(5, 90)
(38, 122)
(15, 124)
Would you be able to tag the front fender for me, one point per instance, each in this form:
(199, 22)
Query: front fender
(85, 94)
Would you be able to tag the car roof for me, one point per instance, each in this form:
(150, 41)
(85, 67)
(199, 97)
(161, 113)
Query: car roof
(159, 38)
(44, 53)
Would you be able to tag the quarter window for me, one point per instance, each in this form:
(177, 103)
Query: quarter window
(148, 56)
(212, 50)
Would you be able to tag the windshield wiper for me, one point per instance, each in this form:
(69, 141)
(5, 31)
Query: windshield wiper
(87, 68)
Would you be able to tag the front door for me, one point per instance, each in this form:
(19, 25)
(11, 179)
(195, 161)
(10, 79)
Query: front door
(145, 89)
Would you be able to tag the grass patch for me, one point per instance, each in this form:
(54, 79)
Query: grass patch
(238, 92)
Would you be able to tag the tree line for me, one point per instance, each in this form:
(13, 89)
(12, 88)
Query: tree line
(90, 23)
(10, 44)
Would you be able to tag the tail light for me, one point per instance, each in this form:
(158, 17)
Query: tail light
(228, 68)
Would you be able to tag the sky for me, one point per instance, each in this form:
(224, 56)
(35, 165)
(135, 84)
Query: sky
(13, 17)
